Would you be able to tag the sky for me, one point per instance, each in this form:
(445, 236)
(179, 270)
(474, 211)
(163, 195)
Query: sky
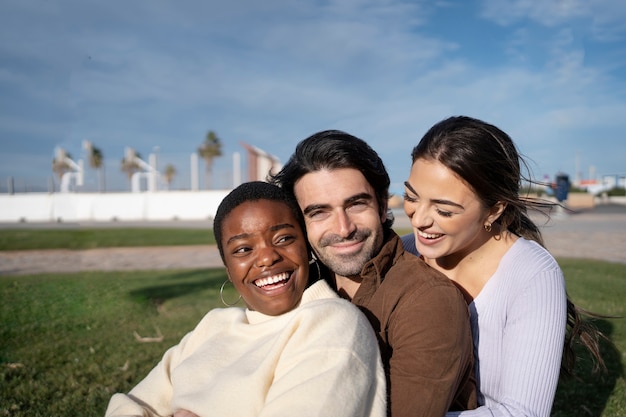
(157, 75)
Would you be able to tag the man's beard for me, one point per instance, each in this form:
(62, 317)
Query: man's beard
(349, 264)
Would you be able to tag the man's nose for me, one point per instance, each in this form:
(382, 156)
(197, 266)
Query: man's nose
(345, 224)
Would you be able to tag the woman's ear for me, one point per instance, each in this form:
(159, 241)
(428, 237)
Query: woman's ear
(496, 211)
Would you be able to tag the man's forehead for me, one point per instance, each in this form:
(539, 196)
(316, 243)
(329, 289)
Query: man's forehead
(332, 187)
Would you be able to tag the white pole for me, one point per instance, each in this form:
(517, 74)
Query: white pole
(153, 174)
(194, 172)
(236, 169)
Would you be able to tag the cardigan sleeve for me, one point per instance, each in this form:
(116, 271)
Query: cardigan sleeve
(532, 347)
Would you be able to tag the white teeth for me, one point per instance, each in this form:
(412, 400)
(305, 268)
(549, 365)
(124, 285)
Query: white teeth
(262, 282)
(428, 235)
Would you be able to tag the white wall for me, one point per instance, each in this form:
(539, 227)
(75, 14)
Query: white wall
(76, 207)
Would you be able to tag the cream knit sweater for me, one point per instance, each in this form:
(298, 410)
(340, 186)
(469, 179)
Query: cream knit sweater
(321, 359)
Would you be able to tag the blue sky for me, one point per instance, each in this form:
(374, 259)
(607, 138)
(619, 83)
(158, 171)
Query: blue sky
(158, 73)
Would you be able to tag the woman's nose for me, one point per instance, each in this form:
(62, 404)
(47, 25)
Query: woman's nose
(267, 256)
(417, 214)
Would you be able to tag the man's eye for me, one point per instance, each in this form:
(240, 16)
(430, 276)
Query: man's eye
(317, 215)
(358, 206)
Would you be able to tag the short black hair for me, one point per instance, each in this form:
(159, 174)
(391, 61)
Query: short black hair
(253, 191)
(335, 149)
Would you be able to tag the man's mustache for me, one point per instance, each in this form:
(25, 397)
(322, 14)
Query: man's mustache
(357, 235)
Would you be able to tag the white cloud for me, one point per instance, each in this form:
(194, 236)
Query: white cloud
(271, 73)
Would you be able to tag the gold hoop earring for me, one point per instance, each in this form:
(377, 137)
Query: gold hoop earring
(222, 295)
(487, 227)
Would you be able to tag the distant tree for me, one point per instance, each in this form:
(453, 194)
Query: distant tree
(129, 164)
(59, 163)
(169, 173)
(96, 160)
(210, 149)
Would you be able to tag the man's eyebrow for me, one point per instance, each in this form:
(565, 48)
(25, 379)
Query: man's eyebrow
(314, 207)
(436, 201)
(357, 197)
(347, 201)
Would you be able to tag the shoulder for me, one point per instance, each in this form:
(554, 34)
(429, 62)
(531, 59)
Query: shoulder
(408, 241)
(529, 257)
(528, 265)
(220, 317)
(320, 299)
(412, 273)
(331, 321)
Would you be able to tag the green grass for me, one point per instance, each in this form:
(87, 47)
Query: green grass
(80, 238)
(84, 238)
(599, 287)
(68, 343)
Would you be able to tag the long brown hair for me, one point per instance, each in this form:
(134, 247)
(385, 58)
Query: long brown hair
(487, 159)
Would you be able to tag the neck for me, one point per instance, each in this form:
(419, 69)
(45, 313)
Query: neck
(347, 286)
(472, 269)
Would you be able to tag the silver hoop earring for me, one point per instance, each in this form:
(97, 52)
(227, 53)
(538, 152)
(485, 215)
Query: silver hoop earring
(222, 295)
(317, 265)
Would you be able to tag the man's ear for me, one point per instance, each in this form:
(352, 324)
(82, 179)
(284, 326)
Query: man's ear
(383, 213)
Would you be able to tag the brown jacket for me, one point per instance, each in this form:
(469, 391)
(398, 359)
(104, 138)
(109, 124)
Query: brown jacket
(423, 328)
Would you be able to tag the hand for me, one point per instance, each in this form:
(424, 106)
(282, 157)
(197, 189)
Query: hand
(185, 413)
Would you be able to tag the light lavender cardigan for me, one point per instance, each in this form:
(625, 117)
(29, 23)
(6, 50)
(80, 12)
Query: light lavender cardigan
(518, 325)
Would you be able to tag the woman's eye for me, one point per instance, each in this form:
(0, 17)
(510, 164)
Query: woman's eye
(285, 239)
(409, 198)
(241, 250)
(444, 213)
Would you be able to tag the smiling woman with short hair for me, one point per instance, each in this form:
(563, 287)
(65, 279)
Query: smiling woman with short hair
(297, 349)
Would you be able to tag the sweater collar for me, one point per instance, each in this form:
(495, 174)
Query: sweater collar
(317, 291)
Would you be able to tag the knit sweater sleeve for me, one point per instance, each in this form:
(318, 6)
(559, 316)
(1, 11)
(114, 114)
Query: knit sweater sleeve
(520, 341)
(152, 396)
(329, 368)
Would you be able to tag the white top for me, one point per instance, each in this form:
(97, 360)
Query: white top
(518, 327)
(320, 359)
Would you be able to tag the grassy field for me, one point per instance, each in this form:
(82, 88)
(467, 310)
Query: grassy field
(68, 341)
(79, 238)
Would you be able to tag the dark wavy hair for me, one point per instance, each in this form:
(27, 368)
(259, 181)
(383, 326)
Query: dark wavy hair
(254, 191)
(488, 161)
(334, 149)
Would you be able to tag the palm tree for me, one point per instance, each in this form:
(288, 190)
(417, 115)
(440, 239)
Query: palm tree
(96, 159)
(210, 149)
(129, 163)
(59, 163)
(170, 172)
